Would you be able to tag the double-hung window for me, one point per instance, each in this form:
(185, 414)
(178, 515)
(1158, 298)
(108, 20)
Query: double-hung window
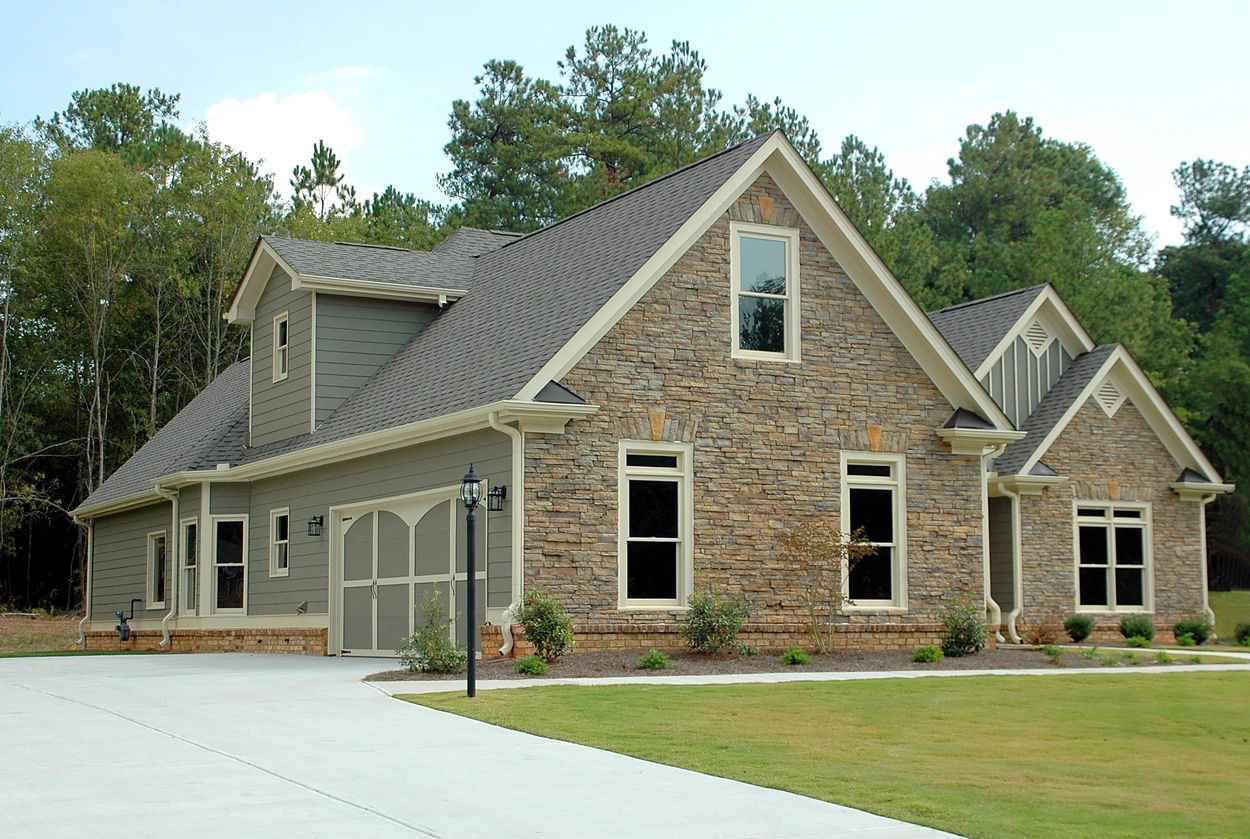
(281, 346)
(1113, 557)
(656, 551)
(229, 563)
(190, 566)
(873, 504)
(158, 570)
(764, 272)
(279, 542)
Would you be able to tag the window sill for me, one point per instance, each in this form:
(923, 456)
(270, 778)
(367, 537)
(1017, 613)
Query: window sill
(284, 573)
(1095, 610)
(652, 607)
(885, 609)
(747, 355)
(160, 604)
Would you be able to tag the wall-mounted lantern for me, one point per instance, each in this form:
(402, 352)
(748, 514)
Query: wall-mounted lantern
(314, 526)
(496, 497)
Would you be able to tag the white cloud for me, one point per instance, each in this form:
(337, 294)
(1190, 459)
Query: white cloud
(280, 133)
(351, 73)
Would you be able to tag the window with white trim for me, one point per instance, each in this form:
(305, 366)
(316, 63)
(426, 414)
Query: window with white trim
(281, 346)
(158, 570)
(190, 566)
(229, 563)
(279, 542)
(1113, 557)
(764, 272)
(656, 551)
(873, 502)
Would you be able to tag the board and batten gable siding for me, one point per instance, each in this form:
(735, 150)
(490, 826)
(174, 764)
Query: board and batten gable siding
(355, 337)
(1020, 378)
(309, 492)
(120, 558)
(281, 410)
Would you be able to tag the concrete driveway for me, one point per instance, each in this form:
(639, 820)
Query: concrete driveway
(276, 746)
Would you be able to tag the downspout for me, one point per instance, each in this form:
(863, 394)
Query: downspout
(1017, 564)
(171, 552)
(1202, 535)
(518, 528)
(86, 616)
(996, 611)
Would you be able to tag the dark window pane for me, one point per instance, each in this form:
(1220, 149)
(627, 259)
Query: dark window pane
(876, 470)
(160, 568)
(230, 587)
(873, 510)
(1091, 512)
(1129, 546)
(282, 333)
(871, 577)
(651, 571)
(1093, 545)
(281, 528)
(1129, 590)
(763, 265)
(191, 545)
(229, 542)
(761, 324)
(662, 461)
(1093, 587)
(1127, 514)
(653, 508)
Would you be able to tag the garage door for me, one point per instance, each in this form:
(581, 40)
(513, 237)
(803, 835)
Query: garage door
(393, 557)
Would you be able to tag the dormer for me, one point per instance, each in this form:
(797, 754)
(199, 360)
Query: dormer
(326, 316)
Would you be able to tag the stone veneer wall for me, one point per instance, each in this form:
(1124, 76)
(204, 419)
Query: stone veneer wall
(766, 439)
(302, 640)
(1109, 459)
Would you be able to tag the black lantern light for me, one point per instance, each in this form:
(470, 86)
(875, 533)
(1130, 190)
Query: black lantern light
(471, 496)
(314, 526)
(471, 490)
(496, 497)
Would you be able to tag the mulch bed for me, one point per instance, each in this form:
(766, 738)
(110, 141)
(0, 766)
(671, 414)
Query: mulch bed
(622, 663)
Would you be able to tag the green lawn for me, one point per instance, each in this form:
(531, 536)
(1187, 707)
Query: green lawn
(1231, 608)
(1062, 756)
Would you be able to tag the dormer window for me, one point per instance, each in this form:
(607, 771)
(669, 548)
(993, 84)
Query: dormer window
(764, 271)
(281, 347)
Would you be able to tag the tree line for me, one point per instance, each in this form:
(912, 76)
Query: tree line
(123, 237)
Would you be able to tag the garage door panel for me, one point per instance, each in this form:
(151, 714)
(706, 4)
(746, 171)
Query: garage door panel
(358, 618)
(462, 609)
(432, 541)
(393, 547)
(393, 610)
(358, 549)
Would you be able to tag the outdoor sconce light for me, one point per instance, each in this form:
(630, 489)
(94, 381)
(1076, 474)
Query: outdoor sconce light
(314, 526)
(496, 497)
(471, 490)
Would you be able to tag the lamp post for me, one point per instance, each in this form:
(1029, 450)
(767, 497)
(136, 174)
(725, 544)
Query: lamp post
(471, 496)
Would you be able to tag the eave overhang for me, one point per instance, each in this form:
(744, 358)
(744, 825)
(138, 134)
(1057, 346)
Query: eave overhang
(977, 442)
(1198, 490)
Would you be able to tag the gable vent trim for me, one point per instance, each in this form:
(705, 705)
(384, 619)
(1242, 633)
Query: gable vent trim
(1038, 337)
(1109, 398)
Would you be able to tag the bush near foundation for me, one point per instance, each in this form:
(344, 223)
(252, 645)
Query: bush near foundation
(965, 632)
(1079, 627)
(1242, 634)
(430, 649)
(547, 626)
(532, 665)
(927, 655)
(1137, 626)
(712, 623)
(1197, 628)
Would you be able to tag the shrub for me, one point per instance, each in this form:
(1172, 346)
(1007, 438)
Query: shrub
(547, 626)
(712, 623)
(1079, 627)
(1108, 660)
(1137, 626)
(1053, 653)
(1130, 657)
(1137, 641)
(1242, 634)
(1042, 634)
(795, 655)
(748, 650)
(654, 660)
(1186, 639)
(1089, 653)
(1163, 658)
(532, 665)
(927, 655)
(820, 554)
(1197, 627)
(965, 632)
(430, 649)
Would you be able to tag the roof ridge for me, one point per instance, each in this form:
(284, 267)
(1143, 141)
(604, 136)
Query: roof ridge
(641, 187)
(340, 242)
(981, 300)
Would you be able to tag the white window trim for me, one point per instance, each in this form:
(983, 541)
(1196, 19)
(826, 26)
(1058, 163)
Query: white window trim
(898, 482)
(789, 235)
(212, 552)
(274, 570)
(684, 473)
(280, 375)
(184, 544)
(1109, 521)
(152, 602)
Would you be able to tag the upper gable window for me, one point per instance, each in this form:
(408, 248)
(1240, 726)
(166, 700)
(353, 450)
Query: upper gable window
(281, 346)
(764, 271)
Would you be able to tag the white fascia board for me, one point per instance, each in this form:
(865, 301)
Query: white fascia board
(1048, 302)
(370, 288)
(976, 441)
(129, 502)
(1029, 484)
(264, 258)
(1197, 491)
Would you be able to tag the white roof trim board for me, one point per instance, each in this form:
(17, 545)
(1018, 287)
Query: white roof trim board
(1048, 302)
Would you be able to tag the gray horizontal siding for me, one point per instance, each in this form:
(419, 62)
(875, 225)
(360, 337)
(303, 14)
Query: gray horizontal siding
(313, 491)
(355, 337)
(120, 557)
(281, 409)
(229, 499)
(1002, 569)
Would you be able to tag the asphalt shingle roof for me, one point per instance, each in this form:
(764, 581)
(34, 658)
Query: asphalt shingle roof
(1052, 408)
(973, 329)
(377, 264)
(470, 241)
(186, 441)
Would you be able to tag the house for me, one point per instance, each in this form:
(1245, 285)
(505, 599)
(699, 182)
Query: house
(655, 389)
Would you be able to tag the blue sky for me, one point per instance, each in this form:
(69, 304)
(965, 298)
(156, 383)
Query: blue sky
(1147, 85)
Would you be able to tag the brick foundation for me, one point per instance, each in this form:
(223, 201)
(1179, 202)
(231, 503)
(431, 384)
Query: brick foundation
(303, 641)
(767, 637)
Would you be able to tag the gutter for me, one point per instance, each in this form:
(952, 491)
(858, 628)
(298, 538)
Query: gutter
(1207, 611)
(518, 528)
(171, 551)
(86, 616)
